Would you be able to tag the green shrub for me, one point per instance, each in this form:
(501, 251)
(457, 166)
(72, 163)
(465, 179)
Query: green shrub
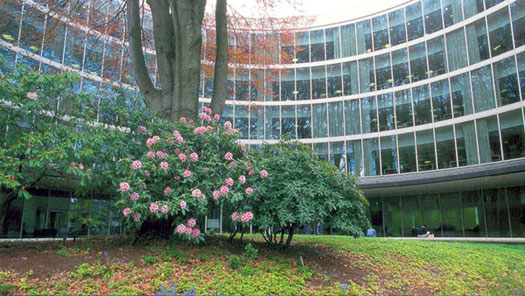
(150, 259)
(5, 289)
(63, 252)
(235, 262)
(250, 253)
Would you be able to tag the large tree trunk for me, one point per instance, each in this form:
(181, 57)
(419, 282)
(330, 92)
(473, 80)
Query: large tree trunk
(221, 60)
(178, 38)
(4, 206)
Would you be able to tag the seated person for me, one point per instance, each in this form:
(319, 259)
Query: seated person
(371, 232)
(422, 231)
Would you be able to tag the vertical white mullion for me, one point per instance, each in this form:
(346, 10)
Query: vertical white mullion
(84, 51)
(22, 10)
(379, 135)
(42, 43)
(415, 133)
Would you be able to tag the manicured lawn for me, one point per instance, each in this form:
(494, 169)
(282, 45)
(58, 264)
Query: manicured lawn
(332, 265)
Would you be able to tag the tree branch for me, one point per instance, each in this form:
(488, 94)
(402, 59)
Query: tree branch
(221, 60)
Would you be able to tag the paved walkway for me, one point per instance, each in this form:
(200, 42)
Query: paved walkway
(500, 240)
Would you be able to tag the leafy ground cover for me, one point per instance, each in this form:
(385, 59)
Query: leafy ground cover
(314, 265)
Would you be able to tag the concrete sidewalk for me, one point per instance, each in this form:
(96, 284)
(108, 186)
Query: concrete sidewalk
(498, 240)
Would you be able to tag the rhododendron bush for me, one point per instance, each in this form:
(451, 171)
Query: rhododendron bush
(181, 170)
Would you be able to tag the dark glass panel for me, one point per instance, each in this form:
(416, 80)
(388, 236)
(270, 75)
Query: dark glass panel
(392, 216)
(256, 122)
(512, 135)
(320, 120)
(441, 100)
(383, 71)
(386, 112)
(389, 155)
(461, 98)
(334, 81)
(496, 212)
(321, 149)
(241, 120)
(288, 85)
(457, 50)
(354, 157)
(348, 40)
(336, 122)
(517, 10)
(369, 115)
(488, 139)
(452, 12)
(371, 157)
(452, 224)
(397, 27)
(426, 153)
(403, 108)
(516, 200)
(472, 7)
(332, 43)
(478, 46)
(338, 155)
(400, 67)
(352, 116)
(473, 214)
(376, 215)
(414, 21)
(380, 25)
(418, 62)
(366, 75)
(407, 153)
(467, 144)
(507, 89)
(482, 88)
(302, 83)
(302, 44)
(317, 46)
(422, 107)
(350, 78)
(500, 32)
(304, 121)
(13, 218)
(436, 57)
(364, 37)
(288, 121)
(446, 147)
(318, 82)
(433, 21)
(430, 213)
(411, 215)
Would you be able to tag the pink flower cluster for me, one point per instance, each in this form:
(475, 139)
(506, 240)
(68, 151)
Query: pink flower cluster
(164, 209)
(182, 204)
(199, 130)
(205, 116)
(124, 186)
(228, 124)
(217, 117)
(246, 217)
(216, 194)
(224, 190)
(126, 212)
(32, 96)
(263, 174)
(206, 110)
(134, 196)
(182, 157)
(182, 119)
(167, 190)
(151, 141)
(228, 156)
(136, 165)
(229, 182)
(151, 155)
(242, 179)
(162, 154)
(136, 217)
(194, 157)
(235, 216)
(154, 208)
(233, 164)
(164, 165)
(191, 223)
(141, 129)
(186, 174)
(249, 190)
(196, 192)
(188, 229)
(178, 137)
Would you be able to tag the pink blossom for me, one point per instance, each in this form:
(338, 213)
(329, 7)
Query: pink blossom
(72, 163)
(136, 165)
(146, 173)
(228, 156)
(191, 122)
(143, 186)
(206, 169)
(228, 124)
(150, 155)
(203, 197)
(196, 192)
(196, 232)
(229, 182)
(154, 208)
(246, 217)
(209, 128)
(180, 140)
(177, 178)
(124, 186)
(164, 209)
(199, 130)
(161, 154)
(186, 174)
(167, 190)
(136, 217)
(251, 173)
(194, 157)
(235, 216)
(249, 190)
(164, 165)
(182, 119)
(177, 151)
(141, 129)
(207, 118)
(191, 222)
(216, 194)
(134, 196)
(233, 164)
(187, 230)
(202, 115)
(242, 179)
(12, 177)
(224, 190)
(182, 204)
(32, 96)
(182, 157)
(181, 228)
(263, 173)
(216, 116)
(169, 141)
(206, 109)
(80, 166)
(126, 212)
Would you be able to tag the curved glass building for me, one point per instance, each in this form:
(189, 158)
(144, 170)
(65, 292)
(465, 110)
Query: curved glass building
(422, 102)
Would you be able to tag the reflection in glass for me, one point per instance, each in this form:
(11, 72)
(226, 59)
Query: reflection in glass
(488, 139)
(516, 200)
(478, 47)
(467, 144)
(436, 57)
(517, 10)
(338, 155)
(350, 78)
(422, 105)
(302, 43)
(407, 153)
(426, 156)
(400, 67)
(473, 214)
(376, 215)
(371, 157)
(383, 71)
(288, 120)
(321, 149)
(512, 135)
(500, 32)
(396, 21)
(392, 216)
(288, 85)
(303, 83)
(411, 215)
(457, 51)
(446, 147)
(386, 112)
(461, 98)
(318, 82)
(418, 62)
(430, 214)
(433, 20)
(380, 26)
(414, 21)
(304, 122)
(482, 88)
(451, 220)
(507, 89)
(496, 212)
(256, 122)
(334, 80)
(403, 108)
(241, 120)
(389, 155)
(369, 115)
(348, 40)
(317, 45)
(364, 37)
(319, 119)
(352, 116)
(452, 12)
(366, 75)
(354, 158)
(441, 100)
(336, 123)
(272, 123)
(472, 7)
(332, 43)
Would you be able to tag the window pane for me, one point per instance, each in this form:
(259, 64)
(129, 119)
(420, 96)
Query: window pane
(467, 145)
(366, 75)
(407, 153)
(521, 69)
(517, 10)
(400, 67)
(338, 155)
(348, 40)
(500, 32)
(490, 3)
(473, 214)
(512, 134)
(441, 100)
(350, 79)
(288, 121)
(457, 51)
(376, 215)
(488, 139)
(389, 155)
(273, 125)
(364, 37)
(321, 149)
(425, 150)
(451, 214)
(404, 108)
(369, 115)
(335, 111)
(10, 11)
(332, 43)
(472, 7)
(383, 71)
(303, 83)
(74, 48)
(317, 45)
(516, 200)
(380, 25)
(319, 118)
(352, 116)
(461, 98)
(35, 210)
(414, 21)
(411, 215)
(13, 218)
(483, 89)
(386, 112)
(354, 157)
(242, 83)
(497, 215)
(32, 32)
(302, 53)
(304, 121)
(318, 82)
(430, 213)
(371, 157)
(54, 40)
(433, 20)
(241, 120)
(452, 12)
(422, 105)
(287, 84)
(392, 216)
(256, 122)
(397, 27)
(334, 80)
(507, 89)
(478, 47)
(418, 62)
(436, 57)
(446, 148)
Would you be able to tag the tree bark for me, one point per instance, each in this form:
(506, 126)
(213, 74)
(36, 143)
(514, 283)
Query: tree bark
(221, 59)
(289, 238)
(4, 207)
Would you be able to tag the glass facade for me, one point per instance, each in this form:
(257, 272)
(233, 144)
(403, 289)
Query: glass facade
(426, 85)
